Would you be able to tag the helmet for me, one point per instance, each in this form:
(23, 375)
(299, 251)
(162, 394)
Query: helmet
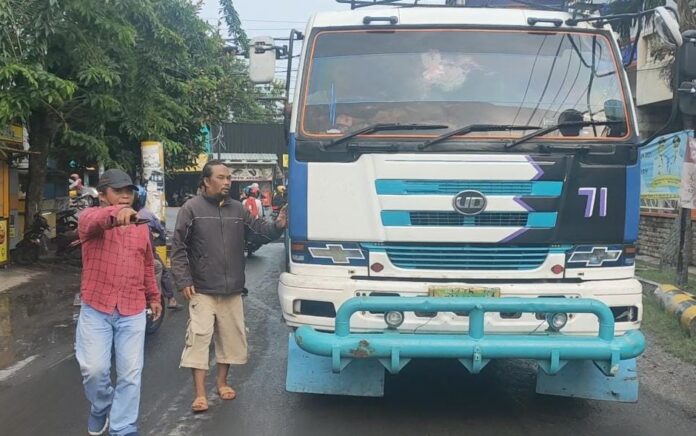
(280, 189)
(140, 198)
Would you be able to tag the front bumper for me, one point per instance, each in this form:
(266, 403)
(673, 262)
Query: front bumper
(337, 291)
(475, 348)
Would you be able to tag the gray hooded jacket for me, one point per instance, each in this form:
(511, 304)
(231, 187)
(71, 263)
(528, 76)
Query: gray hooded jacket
(209, 241)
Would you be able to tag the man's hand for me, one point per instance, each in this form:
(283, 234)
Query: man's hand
(156, 308)
(125, 217)
(188, 292)
(281, 221)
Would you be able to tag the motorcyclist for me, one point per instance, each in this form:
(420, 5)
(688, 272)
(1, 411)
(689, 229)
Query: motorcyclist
(75, 185)
(251, 202)
(279, 199)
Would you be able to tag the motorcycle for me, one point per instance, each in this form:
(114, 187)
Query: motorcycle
(66, 220)
(34, 243)
(250, 247)
(152, 326)
(185, 198)
(88, 198)
(69, 247)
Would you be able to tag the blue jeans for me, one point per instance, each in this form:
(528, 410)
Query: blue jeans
(97, 332)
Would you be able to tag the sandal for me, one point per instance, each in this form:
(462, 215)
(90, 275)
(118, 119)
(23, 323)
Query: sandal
(200, 404)
(227, 393)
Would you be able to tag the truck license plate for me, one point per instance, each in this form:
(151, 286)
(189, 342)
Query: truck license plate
(463, 291)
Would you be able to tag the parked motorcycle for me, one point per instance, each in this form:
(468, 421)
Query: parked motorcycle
(69, 248)
(34, 243)
(66, 220)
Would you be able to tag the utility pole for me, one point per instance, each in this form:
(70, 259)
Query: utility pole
(685, 229)
(687, 106)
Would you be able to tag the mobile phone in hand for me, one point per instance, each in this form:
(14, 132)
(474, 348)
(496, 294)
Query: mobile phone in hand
(137, 221)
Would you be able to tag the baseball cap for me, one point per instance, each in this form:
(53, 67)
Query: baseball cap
(115, 179)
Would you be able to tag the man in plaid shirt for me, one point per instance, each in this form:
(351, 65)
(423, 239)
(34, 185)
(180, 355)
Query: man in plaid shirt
(118, 281)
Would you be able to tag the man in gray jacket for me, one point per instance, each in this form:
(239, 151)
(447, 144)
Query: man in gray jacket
(208, 267)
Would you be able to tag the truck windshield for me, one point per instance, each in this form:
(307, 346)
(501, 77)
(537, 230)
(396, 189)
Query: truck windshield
(460, 77)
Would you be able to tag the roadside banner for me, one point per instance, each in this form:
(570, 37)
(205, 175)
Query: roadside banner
(661, 164)
(687, 193)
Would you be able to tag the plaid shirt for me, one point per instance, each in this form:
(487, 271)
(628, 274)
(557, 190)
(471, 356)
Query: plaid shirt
(118, 271)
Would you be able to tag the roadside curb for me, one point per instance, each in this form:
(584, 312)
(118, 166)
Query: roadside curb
(680, 303)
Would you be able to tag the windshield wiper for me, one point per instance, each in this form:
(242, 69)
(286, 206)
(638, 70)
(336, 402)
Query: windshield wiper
(550, 129)
(473, 128)
(381, 128)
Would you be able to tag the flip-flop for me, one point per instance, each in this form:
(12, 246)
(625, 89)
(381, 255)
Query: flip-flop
(200, 404)
(227, 393)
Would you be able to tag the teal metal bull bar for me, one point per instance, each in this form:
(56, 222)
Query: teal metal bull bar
(475, 348)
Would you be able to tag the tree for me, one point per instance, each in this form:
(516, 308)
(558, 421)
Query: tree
(45, 74)
(92, 79)
(234, 26)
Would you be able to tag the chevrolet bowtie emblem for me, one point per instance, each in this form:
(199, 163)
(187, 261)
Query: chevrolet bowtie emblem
(596, 257)
(337, 253)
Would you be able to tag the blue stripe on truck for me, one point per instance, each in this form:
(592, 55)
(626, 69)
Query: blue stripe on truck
(297, 195)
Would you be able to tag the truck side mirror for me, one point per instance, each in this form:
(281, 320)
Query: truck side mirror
(687, 56)
(667, 26)
(262, 60)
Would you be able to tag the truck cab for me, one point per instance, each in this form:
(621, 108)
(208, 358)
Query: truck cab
(463, 183)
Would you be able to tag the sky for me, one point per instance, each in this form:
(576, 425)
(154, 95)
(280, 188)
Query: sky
(272, 17)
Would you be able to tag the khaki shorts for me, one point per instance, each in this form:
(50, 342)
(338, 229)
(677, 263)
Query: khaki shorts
(223, 316)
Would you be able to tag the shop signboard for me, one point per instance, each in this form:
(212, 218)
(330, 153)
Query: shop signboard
(11, 133)
(252, 173)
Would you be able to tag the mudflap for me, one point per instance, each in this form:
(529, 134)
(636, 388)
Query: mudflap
(312, 374)
(583, 379)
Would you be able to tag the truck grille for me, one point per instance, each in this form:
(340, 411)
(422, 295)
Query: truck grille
(452, 257)
(491, 219)
(444, 187)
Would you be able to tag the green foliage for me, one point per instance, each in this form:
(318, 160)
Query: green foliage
(234, 26)
(111, 73)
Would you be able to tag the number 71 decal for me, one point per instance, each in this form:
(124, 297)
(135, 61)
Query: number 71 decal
(591, 194)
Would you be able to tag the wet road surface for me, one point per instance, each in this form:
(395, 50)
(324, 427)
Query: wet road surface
(42, 394)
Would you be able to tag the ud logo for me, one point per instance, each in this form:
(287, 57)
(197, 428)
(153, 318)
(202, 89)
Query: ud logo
(469, 203)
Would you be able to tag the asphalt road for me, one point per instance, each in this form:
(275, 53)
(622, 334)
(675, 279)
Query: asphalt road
(429, 398)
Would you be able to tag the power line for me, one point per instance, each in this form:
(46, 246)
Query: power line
(269, 28)
(211, 17)
(274, 21)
